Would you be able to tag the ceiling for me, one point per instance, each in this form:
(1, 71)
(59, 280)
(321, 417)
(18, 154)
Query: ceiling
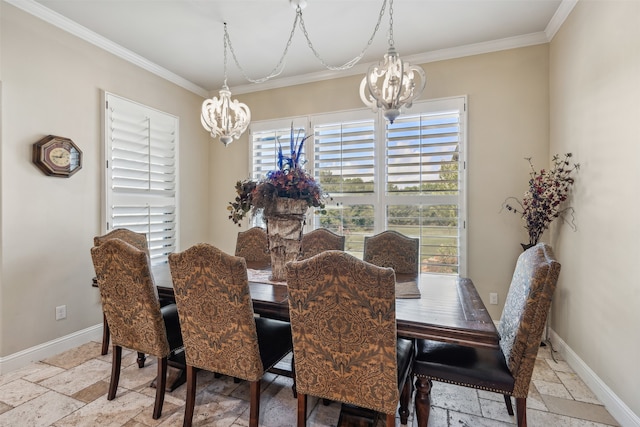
(183, 39)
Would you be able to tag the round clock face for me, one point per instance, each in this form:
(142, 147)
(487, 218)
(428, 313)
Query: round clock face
(60, 156)
(57, 156)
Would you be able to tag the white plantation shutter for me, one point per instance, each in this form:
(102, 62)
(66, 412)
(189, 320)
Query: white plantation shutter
(344, 163)
(425, 170)
(344, 156)
(141, 171)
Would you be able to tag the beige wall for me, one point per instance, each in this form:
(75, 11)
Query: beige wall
(508, 121)
(51, 85)
(595, 113)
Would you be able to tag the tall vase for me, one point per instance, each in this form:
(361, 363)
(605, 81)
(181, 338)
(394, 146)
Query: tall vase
(285, 221)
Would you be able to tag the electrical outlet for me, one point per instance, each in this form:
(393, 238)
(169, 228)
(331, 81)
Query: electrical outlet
(61, 312)
(493, 298)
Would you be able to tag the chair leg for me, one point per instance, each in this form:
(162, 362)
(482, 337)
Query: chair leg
(141, 358)
(302, 410)
(115, 371)
(391, 420)
(405, 398)
(423, 400)
(191, 396)
(105, 335)
(507, 401)
(254, 403)
(293, 375)
(161, 384)
(521, 411)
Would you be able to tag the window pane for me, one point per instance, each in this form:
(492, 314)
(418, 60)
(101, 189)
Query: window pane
(352, 221)
(437, 228)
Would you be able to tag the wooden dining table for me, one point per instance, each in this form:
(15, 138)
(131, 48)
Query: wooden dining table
(449, 308)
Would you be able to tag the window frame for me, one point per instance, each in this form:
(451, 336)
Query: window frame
(380, 197)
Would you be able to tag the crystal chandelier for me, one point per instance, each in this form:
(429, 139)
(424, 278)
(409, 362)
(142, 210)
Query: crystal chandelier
(391, 84)
(223, 116)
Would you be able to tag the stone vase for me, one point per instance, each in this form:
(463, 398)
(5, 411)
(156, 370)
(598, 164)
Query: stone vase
(285, 221)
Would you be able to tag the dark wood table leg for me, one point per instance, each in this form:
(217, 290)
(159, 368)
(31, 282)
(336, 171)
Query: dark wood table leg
(423, 400)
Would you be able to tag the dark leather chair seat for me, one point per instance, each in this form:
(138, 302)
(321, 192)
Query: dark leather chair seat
(273, 336)
(479, 367)
(172, 325)
(404, 355)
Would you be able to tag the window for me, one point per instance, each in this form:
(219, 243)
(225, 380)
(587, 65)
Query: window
(407, 177)
(141, 146)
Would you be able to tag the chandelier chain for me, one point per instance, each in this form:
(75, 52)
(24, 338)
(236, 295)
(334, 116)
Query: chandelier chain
(390, 23)
(225, 56)
(277, 70)
(352, 62)
(279, 66)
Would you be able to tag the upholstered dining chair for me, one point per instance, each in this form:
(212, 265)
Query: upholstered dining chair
(220, 331)
(253, 246)
(506, 370)
(345, 346)
(138, 240)
(393, 249)
(320, 240)
(130, 304)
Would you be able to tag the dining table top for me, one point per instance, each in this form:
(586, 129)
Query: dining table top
(448, 309)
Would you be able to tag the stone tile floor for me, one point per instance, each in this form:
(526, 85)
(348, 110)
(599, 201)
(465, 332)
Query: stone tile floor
(69, 390)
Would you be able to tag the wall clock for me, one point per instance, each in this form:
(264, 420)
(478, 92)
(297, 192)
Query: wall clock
(57, 156)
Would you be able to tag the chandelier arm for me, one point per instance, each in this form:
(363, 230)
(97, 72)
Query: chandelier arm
(277, 70)
(352, 62)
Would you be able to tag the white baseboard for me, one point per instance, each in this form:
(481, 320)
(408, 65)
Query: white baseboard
(616, 407)
(51, 348)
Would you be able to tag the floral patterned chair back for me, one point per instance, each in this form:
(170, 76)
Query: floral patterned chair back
(343, 321)
(525, 312)
(138, 240)
(253, 246)
(220, 331)
(216, 314)
(132, 310)
(320, 240)
(393, 249)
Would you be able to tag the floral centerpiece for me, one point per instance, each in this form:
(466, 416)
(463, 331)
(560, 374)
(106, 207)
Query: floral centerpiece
(542, 202)
(284, 195)
(290, 180)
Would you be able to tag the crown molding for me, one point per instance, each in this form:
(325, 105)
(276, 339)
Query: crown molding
(559, 17)
(423, 58)
(47, 15)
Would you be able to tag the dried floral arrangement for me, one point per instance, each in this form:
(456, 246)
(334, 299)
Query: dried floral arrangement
(290, 180)
(543, 201)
